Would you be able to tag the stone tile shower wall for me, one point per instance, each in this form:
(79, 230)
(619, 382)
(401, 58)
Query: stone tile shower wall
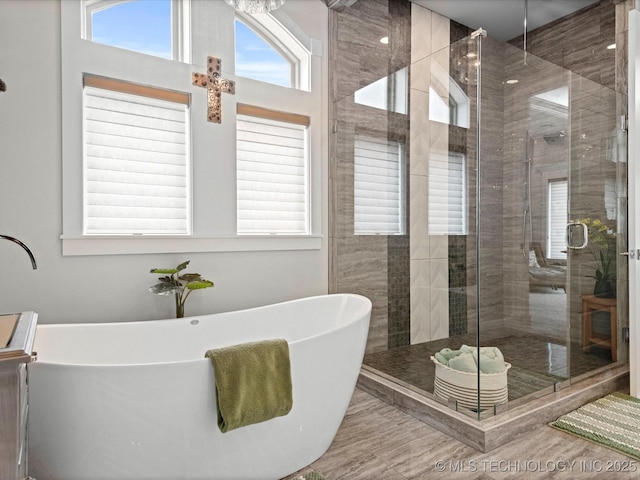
(373, 265)
(443, 267)
(492, 242)
(429, 264)
(398, 281)
(423, 287)
(535, 77)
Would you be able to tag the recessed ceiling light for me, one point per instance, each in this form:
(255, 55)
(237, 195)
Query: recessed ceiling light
(384, 40)
(612, 46)
(512, 81)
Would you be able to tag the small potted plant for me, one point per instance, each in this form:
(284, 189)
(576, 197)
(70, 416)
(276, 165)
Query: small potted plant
(179, 285)
(602, 244)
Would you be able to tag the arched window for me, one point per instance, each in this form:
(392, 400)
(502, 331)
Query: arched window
(269, 52)
(256, 59)
(141, 178)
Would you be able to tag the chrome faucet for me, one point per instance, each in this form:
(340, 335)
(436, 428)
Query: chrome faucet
(26, 249)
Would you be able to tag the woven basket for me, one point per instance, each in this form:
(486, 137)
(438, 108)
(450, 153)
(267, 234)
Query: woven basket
(463, 386)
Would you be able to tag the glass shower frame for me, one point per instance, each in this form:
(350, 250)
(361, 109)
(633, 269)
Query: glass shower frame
(593, 157)
(497, 284)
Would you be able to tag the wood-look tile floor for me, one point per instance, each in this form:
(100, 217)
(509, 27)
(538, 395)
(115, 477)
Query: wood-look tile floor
(379, 442)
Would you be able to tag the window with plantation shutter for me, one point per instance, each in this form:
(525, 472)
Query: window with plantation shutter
(447, 194)
(145, 172)
(378, 193)
(136, 159)
(272, 172)
(557, 219)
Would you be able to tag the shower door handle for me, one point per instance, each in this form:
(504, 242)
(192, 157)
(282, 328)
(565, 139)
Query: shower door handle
(569, 236)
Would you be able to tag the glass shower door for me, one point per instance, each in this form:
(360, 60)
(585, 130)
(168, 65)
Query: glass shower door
(596, 230)
(563, 200)
(500, 163)
(535, 192)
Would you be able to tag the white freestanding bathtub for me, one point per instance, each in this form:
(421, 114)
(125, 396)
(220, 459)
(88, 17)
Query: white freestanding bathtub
(137, 400)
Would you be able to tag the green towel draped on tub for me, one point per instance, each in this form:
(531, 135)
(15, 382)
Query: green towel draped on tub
(253, 382)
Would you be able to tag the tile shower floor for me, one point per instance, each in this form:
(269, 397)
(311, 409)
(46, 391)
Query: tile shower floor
(537, 361)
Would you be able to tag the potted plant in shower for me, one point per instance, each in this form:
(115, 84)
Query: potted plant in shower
(602, 243)
(179, 285)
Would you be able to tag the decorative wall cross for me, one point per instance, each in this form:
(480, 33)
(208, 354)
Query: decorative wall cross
(215, 86)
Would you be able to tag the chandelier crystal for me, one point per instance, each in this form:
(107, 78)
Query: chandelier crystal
(255, 6)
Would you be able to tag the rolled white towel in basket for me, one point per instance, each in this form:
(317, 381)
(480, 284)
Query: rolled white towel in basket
(466, 359)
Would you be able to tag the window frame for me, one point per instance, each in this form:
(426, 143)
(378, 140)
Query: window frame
(212, 184)
(180, 16)
(446, 94)
(274, 33)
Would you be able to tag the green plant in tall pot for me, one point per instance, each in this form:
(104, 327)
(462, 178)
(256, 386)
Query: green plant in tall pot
(602, 244)
(179, 285)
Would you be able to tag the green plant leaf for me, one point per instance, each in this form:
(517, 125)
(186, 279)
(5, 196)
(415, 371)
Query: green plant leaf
(165, 289)
(182, 266)
(199, 285)
(168, 271)
(190, 277)
(170, 281)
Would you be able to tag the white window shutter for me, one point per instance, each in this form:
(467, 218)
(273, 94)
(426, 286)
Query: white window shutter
(272, 177)
(378, 193)
(136, 167)
(447, 194)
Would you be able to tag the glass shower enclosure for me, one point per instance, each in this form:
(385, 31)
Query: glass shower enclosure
(499, 183)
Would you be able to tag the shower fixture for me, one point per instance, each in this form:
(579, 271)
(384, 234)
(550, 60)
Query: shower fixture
(553, 138)
(527, 225)
(26, 249)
